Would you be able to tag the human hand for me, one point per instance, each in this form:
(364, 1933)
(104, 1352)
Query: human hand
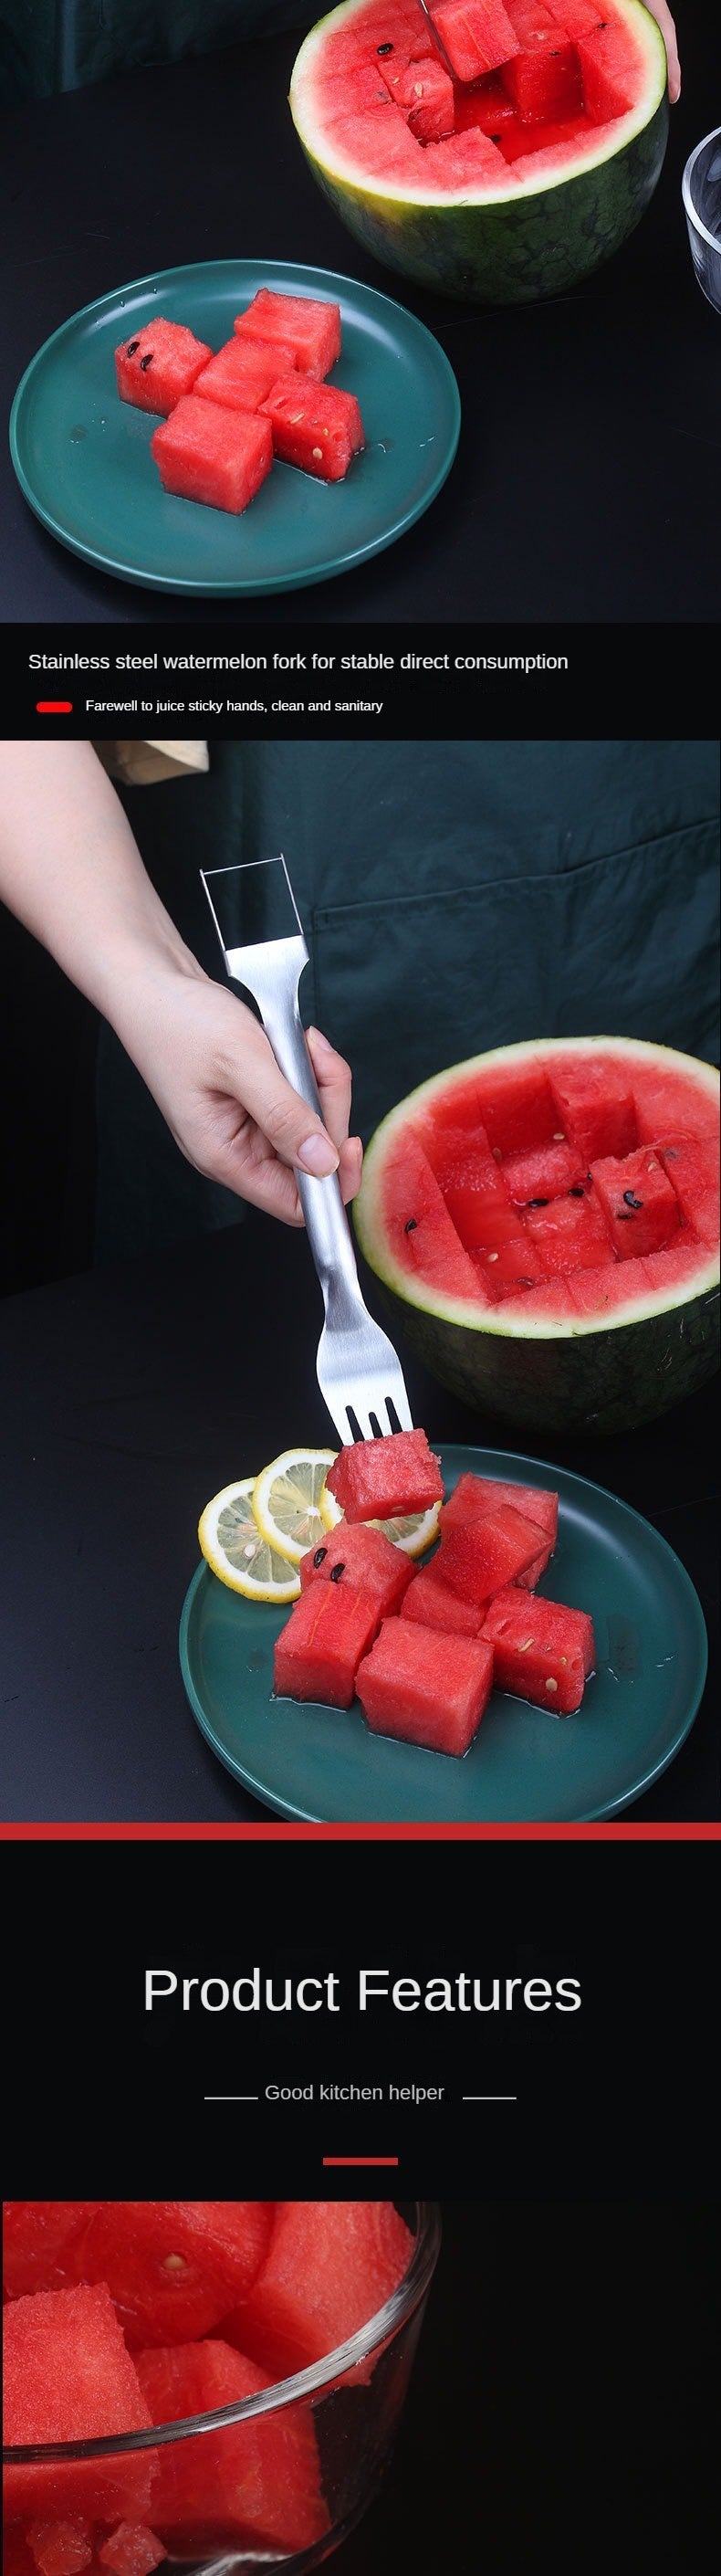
(664, 20)
(211, 1069)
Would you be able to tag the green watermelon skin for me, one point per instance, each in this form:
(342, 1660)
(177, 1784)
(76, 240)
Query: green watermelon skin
(495, 249)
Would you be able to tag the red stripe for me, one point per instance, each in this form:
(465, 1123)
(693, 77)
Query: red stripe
(360, 2160)
(53, 706)
(160, 1833)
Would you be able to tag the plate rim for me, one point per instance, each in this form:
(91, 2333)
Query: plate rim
(276, 584)
(475, 1827)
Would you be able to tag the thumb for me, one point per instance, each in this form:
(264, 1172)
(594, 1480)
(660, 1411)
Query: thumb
(295, 1131)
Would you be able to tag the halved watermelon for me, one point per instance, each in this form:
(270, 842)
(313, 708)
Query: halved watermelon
(601, 1346)
(501, 211)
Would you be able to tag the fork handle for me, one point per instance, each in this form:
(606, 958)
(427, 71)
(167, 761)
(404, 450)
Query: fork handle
(326, 1222)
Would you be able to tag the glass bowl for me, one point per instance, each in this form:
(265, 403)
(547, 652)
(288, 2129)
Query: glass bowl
(701, 190)
(277, 2481)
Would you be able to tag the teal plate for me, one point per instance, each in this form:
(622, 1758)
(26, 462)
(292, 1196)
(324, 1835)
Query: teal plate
(82, 457)
(524, 1766)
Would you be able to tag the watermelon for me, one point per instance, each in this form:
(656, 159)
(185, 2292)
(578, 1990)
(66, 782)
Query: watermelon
(384, 1479)
(430, 1604)
(67, 2377)
(318, 1651)
(502, 211)
(363, 1557)
(473, 1496)
(173, 2266)
(207, 453)
(542, 1651)
(159, 364)
(63, 2548)
(247, 2483)
(40, 2238)
(425, 92)
(477, 1557)
(242, 373)
(639, 1203)
(308, 327)
(132, 2550)
(600, 1347)
(426, 1686)
(315, 426)
(331, 2265)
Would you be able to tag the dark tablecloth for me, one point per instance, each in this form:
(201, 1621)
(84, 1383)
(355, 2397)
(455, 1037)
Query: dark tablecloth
(129, 1395)
(584, 484)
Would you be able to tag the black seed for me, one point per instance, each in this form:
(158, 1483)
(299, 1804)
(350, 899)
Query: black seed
(624, 1215)
(672, 1153)
(577, 1191)
(384, 49)
(537, 1202)
(132, 346)
(320, 1554)
(411, 1224)
(630, 1200)
(335, 1573)
(146, 362)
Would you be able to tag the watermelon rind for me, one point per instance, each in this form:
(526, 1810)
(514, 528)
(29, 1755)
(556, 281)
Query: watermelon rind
(507, 243)
(590, 1373)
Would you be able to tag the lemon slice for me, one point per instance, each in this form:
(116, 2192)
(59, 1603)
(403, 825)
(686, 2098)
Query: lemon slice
(238, 1551)
(413, 1531)
(286, 1501)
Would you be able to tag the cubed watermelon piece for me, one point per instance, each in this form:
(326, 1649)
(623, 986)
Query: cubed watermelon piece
(68, 2377)
(576, 17)
(488, 106)
(385, 1479)
(132, 2550)
(517, 1106)
(639, 1205)
(425, 92)
(363, 1557)
(174, 2266)
(545, 81)
(476, 36)
(318, 1651)
(474, 1496)
(379, 140)
(670, 1104)
(596, 1108)
(331, 2266)
(570, 1233)
(205, 452)
(608, 67)
(529, 19)
(692, 1167)
(505, 1267)
(476, 1557)
(242, 373)
(551, 1297)
(417, 1220)
(431, 1604)
(606, 1290)
(467, 158)
(478, 1202)
(426, 1685)
(257, 2481)
(62, 2548)
(453, 1147)
(40, 2239)
(311, 328)
(317, 427)
(159, 364)
(542, 1650)
(531, 1179)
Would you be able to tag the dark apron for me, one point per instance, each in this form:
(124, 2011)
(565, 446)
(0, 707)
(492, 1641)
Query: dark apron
(454, 896)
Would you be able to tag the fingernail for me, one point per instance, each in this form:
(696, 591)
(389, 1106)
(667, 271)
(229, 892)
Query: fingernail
(318, 1155)
(321, 1042)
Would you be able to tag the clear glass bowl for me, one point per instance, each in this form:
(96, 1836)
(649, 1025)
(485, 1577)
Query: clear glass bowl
(277, 2481)
(701, 189)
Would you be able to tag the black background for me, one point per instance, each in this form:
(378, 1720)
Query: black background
(584, 484)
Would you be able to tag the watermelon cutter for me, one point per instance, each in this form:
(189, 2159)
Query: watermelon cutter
(359, 1374)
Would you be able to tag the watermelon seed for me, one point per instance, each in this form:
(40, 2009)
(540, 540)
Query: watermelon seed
(576, 1192)
(384, 49)
(410, 1225)
(146, 362)
(320, 1554)
(318, 451)
(552, 1686)
(174, 2263)
(493, 1256)
(624, 1215)
(524, 1646)
(132, 346)
(631, 1201)
(558, 1137)
(335, 1573)
(537, 1202)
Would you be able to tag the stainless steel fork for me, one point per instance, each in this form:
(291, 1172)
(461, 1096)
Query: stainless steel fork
(359, 1374)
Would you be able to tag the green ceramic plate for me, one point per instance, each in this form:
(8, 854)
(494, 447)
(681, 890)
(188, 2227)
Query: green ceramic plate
(524, 1766)
(82, 457)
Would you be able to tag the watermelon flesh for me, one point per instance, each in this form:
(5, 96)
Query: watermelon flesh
(318, 1651)
(252, 2481)
(426, 1687)
(542, 1651)
(40, 2238)
(331, 2265)
(431, 1604)
(477, 1557)
(206, 452)
(476, 36)
(132, 2550)
(67, 2377)
(640, 1206)
(160, 363)
(242, 373)
(381, 1479)
(309, 328)
(173, 2267)
(317, 427)
(363, 1557)
(474, 1496)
